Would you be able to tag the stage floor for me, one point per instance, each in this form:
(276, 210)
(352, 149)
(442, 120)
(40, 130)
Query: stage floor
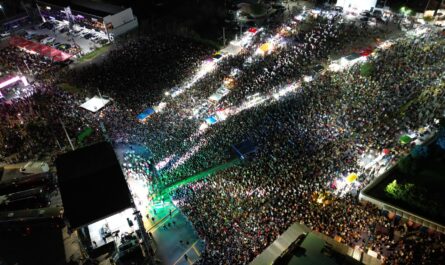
(168, 248)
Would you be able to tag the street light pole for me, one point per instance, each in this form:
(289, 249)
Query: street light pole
(426, 7)
(3, 10)
(224, 36)
(437, 8)
(66, 133)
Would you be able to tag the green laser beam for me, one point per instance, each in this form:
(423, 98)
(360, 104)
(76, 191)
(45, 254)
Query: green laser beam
(165, 191)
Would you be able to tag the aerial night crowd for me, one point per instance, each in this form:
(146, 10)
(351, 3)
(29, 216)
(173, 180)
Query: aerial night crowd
(305, 139)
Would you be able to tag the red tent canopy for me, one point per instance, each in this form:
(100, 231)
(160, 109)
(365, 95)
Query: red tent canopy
(46, 51)
(42, 49)
(366, 52)
(32, 46)
(252, 30)
(16, 41)
(62, 57)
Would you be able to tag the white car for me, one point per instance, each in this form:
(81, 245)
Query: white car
(84, 32)
(76, 33)
(95, 38)
(48, 40)
(372, 21)
(5, 34)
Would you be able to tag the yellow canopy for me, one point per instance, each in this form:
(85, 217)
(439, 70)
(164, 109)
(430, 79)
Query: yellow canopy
(265, 47)
(351, 177)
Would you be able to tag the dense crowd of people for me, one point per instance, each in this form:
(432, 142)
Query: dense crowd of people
(320, 135)
(147, 64)
(305, 140)
(305, 143)
(263, 75)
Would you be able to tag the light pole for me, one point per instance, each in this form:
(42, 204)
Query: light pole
(224, 36)
(3, 10)
(427, 4)
(437, 8)
(67, 136)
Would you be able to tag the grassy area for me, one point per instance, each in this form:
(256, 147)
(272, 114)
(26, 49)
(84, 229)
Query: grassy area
(94, 54)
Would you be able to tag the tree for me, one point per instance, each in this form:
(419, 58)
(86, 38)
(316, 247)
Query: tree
(392, 189)
(400, 192)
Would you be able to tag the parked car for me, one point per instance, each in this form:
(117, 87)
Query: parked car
(63, 46)
(64, 29)
(84, 33)
(339, 9)
(88, 36)
(28, 36)
(93, 36)
(372, 21)
(365, 14)
(40, 37)
(48, 40)
(377, 13)
(5, 34)
(103, 41)
(382, 19)
(76, 33)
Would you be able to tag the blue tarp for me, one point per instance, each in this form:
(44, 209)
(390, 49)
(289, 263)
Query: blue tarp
(145, 114)
(211, 120)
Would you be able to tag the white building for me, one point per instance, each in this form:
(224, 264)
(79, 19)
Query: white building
(358, 5)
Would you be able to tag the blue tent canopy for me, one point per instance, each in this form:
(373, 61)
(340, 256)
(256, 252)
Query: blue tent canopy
(211, 120)
(145, 114)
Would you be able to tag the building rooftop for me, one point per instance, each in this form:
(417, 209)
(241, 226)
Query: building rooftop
(85, 6)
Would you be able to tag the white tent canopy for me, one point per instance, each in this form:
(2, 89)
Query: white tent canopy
(219, 94)
(95, 103)
(233, 48)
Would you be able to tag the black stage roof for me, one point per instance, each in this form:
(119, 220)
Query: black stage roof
(92, 184)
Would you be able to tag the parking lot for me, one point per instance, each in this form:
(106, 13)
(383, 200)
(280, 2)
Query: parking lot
(76, 41)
